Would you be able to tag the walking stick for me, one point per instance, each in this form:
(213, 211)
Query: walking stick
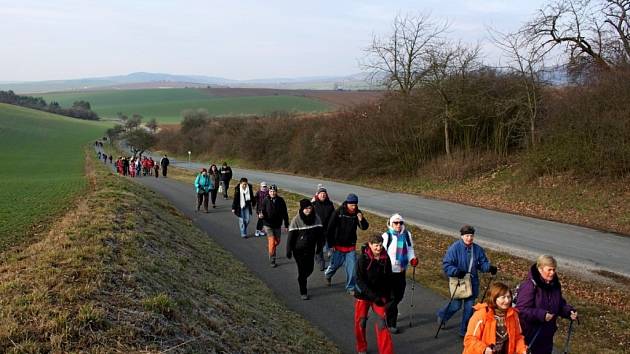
(413, 289)
(488, 286)
(566, 344)
(447, 306)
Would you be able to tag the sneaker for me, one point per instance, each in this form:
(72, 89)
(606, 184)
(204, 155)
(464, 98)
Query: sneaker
(304, 297)
(243, 236)
(351, 292)
(257, 233)
(394, 330)
(328, 281)
(273, 264)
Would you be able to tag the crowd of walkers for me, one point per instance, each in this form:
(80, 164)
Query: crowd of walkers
(505, 321)
(136, 166)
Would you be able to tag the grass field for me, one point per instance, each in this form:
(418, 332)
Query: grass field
(166, 105)
(42, 167)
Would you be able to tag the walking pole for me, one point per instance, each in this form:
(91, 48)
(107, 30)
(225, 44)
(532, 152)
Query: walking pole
(566, 344)
(447, 306)
(487, 287)
(413, 289)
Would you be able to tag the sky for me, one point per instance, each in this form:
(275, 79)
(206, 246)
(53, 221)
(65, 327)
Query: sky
(69, 39)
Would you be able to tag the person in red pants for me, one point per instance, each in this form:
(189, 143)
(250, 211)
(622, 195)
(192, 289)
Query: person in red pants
(374, 285)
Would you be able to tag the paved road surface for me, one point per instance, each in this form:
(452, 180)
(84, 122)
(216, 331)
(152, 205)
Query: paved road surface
(524, 236)
(330, 309)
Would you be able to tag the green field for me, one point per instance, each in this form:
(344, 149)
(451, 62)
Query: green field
(166, 105)
(42, 159)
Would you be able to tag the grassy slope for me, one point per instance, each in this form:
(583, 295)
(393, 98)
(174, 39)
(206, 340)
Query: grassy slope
(604, 308)
(125, 272)
(166, 105)
(42, 166)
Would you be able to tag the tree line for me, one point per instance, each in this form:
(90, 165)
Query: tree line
(80, 109)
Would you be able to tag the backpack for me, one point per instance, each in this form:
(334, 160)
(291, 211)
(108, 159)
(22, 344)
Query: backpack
(515, 291)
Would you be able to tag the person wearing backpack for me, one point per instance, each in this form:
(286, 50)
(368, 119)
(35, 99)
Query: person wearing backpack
(373, 290)
(305, 234)
(494, 327)
(540, 302)
(399, 248)
(464, 257)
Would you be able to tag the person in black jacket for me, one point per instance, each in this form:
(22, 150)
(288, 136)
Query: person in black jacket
(374, 288)
(226, 177)
(324, 209)
(305, 234)
(274, 212)
(342, 237)
(243, 203)
(164, 162)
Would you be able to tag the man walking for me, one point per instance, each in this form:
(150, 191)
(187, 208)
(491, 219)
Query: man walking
(274, 213)
(342, 237)
(324, 208)
(226, 177)
(164, 162)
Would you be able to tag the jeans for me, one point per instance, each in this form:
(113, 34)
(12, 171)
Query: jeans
(243, 221)
(447, 312)
(338, 259)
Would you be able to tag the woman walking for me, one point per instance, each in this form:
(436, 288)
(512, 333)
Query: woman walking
(305, 234)
(242, 204)
(215, 177)
(203, 185)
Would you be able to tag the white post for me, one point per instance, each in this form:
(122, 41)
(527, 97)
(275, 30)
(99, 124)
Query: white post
(188, 159)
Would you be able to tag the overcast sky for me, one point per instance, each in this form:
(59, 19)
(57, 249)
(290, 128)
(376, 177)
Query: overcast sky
(65, 39)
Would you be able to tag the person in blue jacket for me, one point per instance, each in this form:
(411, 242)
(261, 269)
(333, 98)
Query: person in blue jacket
(457, 263)
(203, 185)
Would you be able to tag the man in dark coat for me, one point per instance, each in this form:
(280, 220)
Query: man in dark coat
(274, 213)
(324, 208)
(164, 162)
(226, 176)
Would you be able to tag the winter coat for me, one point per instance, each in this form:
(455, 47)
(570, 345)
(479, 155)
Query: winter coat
(215, 178)
(236, 201)
(536, 298)
(456, 259)
(260, 198)
(482, 331)
(164, 162)
(374, 276)
(226, 173)
(304, 238)
(203, 183)
(342, 227)
(275, 212)
(391, 250)
(324, 209)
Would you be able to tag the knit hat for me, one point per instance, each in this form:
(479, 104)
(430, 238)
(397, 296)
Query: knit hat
(352, 199)
(321, 189)
(305, 203)
(204, 170)
(395, 217)
(273, 187)
(467, 230)
(263, 184)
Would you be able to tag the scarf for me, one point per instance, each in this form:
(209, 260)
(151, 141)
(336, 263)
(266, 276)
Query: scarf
(401, 246)
(244, 195)
(299, 224)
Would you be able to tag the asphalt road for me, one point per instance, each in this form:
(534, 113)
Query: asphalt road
(330, 308)
(573, 246)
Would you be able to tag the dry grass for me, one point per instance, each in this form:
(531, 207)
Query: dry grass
(124, 272)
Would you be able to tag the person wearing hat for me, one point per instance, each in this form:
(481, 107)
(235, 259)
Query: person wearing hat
(464, 257)
(305, 234)
(243, 203)
(203, 185)
(399, 247)
(274, 213)
(262, 193)
(324, 208)
(342, 237)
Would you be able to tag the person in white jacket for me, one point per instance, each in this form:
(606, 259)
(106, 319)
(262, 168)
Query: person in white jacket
(399, 246)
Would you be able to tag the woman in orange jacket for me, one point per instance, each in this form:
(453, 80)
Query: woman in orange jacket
(494, 327)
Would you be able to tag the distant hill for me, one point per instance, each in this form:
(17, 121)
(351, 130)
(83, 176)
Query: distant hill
(152, 80)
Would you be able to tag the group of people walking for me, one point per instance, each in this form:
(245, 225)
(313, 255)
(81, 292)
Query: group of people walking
(138, 166)
(376, 276)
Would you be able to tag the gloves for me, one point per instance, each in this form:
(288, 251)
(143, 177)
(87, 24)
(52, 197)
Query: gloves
(493, 270)
(289, 254)
(414, 262)
(461, 274)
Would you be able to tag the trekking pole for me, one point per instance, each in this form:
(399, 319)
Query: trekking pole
(487, 286)
(413, 289)
(566, 344)
(447, 306)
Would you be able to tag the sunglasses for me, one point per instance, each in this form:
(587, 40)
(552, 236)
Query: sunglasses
(398, 222)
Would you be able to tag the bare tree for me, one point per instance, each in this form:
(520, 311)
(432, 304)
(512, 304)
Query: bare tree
(592, 31)
(447, 73)
(152, 125)
(399, 60)
(526, 61)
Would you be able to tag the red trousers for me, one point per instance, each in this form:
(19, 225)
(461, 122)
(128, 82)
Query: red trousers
(383, 337)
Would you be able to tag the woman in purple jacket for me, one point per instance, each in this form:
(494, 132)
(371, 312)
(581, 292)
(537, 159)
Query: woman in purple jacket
(540, 302)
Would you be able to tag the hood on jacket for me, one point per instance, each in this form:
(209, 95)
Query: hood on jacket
(395, 217)
(482, 306)
(534, 275)
(365, 249)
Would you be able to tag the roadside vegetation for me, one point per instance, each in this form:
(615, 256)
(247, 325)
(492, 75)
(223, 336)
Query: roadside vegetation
(123, 271)
(601, 301)
(78, 109)
(42, 169)
(166, 105)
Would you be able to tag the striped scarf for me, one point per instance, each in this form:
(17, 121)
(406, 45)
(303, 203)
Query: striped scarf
(401, 247)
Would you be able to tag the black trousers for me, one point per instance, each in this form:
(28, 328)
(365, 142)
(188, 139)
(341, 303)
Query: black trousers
(164, 171)
(304, 261)
(226, 187)
(399, 282)
(202, 197)
(213, 194)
